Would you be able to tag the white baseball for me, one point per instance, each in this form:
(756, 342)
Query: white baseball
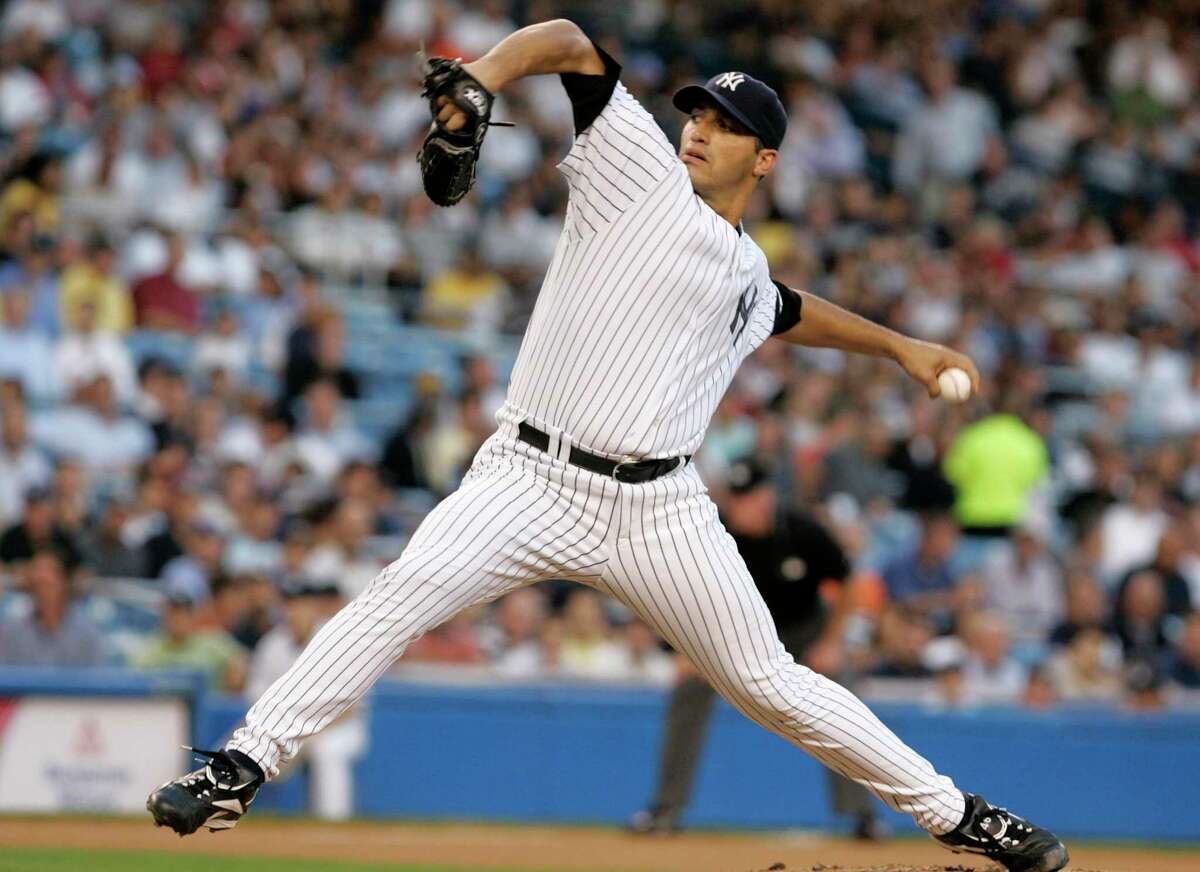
(955, 384)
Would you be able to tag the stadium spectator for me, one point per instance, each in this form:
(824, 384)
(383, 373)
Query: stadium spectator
(944, 140)
(917, 455)
(469, 296)
(512, 640)
(26, 353)
(223, 348)
(30, 267)
(36, 20)
(478, 374)
(23, 466)
(56, 632)
(454, 642)
(1086, 608)
(402, 464)
(328, 438)
(901, 645)
(359, 482)
(38, 531)
(990, 674)
(1140, 619)
(194, 572)
(1040, 692)
(94, 280)
(94, 431)
(339, 547)
(182, 644)
(588, 649)
(857, 465)
(33, 192)
(994, 464)
(69, 492)
(1107, 478)
(1023, 584)
(1131, 529)
(104, 549)
(253, 548)
(230, 506)
(647, 662)
(316, 351)
(925, 580)
(163, 301)
(164, 401)
(1145, 687)
(1167, 565)
(1088, 669)
(88, 352)
(449, 449)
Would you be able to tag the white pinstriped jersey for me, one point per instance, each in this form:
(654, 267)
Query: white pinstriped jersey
(650, 304)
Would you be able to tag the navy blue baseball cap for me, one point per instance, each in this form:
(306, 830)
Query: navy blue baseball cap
(751, 102)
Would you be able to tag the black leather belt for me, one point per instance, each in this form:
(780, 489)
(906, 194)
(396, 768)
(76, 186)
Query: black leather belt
(626, 471)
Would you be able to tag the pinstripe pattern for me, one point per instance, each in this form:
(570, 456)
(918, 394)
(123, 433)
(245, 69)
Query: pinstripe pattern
(675, 565)
(629, 348)
(523, 516)
(650, 304)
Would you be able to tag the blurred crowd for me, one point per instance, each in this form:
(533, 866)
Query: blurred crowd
(1017, 178)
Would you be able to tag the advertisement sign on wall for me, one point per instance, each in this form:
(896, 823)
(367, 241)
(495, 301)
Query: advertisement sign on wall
(87, 754)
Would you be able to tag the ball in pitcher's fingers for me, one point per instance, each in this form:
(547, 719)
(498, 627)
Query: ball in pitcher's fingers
(955, 384)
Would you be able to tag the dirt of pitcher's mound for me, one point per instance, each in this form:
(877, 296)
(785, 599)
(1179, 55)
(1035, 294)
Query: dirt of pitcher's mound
(821, 867)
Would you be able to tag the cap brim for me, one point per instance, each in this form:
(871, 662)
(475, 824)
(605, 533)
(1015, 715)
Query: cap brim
(689, 97)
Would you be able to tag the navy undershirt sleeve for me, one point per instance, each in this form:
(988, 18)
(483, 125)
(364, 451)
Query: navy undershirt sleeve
(590, 94)
(787, 309)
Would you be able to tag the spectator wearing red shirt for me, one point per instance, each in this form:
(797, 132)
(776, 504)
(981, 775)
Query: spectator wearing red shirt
(162, 63)
(162, 301)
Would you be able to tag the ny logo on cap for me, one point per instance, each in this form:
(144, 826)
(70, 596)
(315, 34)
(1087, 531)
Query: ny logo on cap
(730, 80)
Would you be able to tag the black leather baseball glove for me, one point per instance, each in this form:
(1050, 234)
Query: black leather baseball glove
(448, 157)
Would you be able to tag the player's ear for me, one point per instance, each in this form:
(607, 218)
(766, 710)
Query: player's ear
(764, 162)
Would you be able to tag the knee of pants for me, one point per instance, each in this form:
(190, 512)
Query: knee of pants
(773, 688)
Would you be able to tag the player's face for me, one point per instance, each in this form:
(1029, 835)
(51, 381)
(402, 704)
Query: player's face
(718, 151)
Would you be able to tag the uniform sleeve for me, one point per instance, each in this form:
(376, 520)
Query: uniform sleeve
(619, 154)
(787, 309)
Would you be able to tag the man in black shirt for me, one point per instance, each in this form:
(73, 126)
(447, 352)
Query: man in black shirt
(790, 556)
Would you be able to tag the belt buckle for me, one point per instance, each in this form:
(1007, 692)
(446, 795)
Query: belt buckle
(616, 473)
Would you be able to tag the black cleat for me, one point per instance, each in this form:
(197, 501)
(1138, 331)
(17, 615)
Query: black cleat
(1011, 841)
(215, 797)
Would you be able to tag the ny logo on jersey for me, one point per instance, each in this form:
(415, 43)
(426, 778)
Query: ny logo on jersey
(745, 305)
(730, 80)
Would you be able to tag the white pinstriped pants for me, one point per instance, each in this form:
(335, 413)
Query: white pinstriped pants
(522, 516)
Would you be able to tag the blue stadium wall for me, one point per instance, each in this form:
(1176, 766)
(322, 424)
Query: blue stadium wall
(571, 754)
